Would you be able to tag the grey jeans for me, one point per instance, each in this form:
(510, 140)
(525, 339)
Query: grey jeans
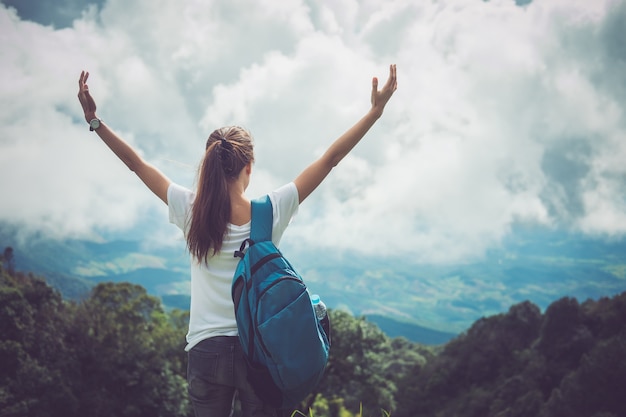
(216, 372)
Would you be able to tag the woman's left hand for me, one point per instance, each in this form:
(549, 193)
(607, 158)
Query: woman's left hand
(86, 101)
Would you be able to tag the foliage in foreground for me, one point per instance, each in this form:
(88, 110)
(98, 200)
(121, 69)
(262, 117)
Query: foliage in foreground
(568, 362)
(115, 354)
(118, 353)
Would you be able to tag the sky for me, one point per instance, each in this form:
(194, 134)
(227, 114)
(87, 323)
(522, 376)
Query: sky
(505, 115)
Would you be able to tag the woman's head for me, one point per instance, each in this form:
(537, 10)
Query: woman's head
(234, 148)
(228, 151)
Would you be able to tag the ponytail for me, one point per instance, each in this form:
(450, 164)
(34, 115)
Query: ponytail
(228, 151)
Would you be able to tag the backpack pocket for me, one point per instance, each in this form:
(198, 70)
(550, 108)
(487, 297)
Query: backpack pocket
(298, 351)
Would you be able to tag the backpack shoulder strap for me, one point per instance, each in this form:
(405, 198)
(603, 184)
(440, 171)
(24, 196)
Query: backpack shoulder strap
(262, 219)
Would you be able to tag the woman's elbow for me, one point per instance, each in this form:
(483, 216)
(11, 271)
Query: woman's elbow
(133, 166)
(136, 165)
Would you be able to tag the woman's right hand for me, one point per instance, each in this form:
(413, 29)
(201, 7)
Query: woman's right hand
(86, 101)
(314, 174)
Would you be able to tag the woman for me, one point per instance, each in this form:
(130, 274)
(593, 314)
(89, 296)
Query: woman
(215, 219)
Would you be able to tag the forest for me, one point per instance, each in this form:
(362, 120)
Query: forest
(118, 352)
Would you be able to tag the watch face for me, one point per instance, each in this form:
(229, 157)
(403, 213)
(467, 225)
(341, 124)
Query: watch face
(94, 124)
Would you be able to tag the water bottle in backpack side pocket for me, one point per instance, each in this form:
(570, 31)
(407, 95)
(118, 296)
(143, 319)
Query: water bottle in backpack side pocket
(321, 313)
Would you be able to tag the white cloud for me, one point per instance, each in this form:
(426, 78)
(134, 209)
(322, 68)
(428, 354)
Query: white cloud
(503, 114)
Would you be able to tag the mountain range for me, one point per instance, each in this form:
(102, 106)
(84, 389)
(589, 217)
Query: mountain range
(429, 304)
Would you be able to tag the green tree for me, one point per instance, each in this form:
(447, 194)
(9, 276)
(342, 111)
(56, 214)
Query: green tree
(34, 352)
(563, 340)
(130, 354)
(8, 260)
(596, 386)
(470, 377)
(356, 371)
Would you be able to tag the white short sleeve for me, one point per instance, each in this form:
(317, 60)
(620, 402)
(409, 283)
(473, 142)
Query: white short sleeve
(285, 203)
(179, 200)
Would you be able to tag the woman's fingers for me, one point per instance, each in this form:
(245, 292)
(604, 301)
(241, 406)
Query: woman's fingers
(392, 81)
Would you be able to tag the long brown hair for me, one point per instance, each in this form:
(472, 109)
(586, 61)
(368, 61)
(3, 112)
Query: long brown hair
(228, 151)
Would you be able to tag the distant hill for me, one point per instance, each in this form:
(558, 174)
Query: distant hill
(179, 301)
(74, 266)
(59, 261)
(394, 328)
(438, 301)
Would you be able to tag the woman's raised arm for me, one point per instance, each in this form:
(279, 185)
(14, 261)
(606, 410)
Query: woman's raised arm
(156, 181)
(315, 173)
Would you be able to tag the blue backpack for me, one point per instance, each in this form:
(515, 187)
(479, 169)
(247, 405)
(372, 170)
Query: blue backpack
(285, 346)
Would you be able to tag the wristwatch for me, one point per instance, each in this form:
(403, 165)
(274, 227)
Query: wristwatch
(94, 124)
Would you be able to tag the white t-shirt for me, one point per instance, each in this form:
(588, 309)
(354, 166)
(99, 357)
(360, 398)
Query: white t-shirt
(212, 310)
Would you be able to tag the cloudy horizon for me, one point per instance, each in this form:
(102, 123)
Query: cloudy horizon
(505, 114)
